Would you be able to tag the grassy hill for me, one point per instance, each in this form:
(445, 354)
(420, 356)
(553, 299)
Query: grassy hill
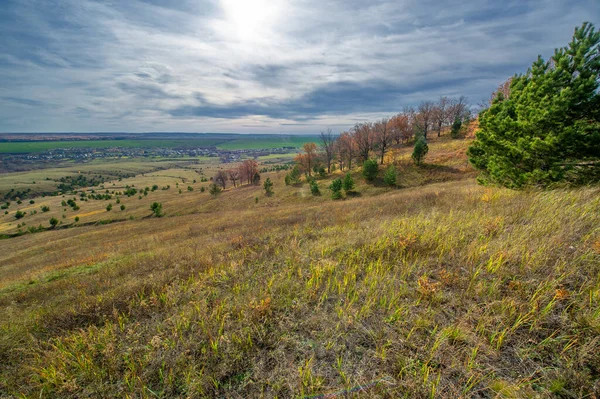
(440, 288)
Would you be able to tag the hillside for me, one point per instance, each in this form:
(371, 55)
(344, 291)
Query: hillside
(439, 288)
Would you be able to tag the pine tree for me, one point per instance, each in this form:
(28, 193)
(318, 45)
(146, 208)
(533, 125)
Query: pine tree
(421, 149)
(336, 189)
(268, 186)
(548, 129)
(348, 183)
(390, 176)
(370, 169)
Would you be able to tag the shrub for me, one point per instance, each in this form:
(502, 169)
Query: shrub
(336, 189)
(53, 222)
(156, 209)
(76, 219)
(32, 202)
(370, 169)
(420, 150)
(202, 189)
(348, 183)
(456, 126)
(314, 188)
(294, 176)
(45, 208)
(214, 190)
(390, 176)
(190, 188)
(122, 207)
(19, 214)
(268, 186)
(109, 207)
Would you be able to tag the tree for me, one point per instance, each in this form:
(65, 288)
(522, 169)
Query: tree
(314, 188)
(440, 114)
(389, 177)
(268, 186)
(234, 176)
(336, 189)
(363, 137)
(247, 170)
(459, 109)
(45, 208)
(293, 177)
(420, 150)
(548, 130)
(156, 209)
(456, 126)
(370, 169)
(53, 222)
(383, 136)
(214, 190)
(400, 127)
(256, 179)
(122, 207)
(307, 160)
(346, 150)
(425, 116)
(109, 207)
(19, 214)
(221, 178)
(348, 183)
(328, 144)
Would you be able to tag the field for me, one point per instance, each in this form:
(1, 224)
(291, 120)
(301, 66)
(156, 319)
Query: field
(438, 288)
(228, 141)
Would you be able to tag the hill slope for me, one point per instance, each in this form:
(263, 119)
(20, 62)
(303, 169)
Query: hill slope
(440, 289)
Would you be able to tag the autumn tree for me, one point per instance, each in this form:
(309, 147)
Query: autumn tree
(363, 137)
(310, 155)
(247, 170)
(221, 178)
(425, 117)
(346, 150)
(441, 113)
(383, 136)
(328, 144)
(234, 176)
(400, 128)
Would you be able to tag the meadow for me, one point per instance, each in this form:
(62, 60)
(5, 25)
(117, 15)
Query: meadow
(437, 288)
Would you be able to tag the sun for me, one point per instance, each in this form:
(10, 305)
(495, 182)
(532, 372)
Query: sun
(251, 19)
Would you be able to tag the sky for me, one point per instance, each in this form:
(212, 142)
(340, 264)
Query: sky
(260, 66)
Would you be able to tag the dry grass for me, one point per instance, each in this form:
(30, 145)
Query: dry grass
(448, 289)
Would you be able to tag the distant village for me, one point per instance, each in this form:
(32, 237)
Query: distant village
(88, 154)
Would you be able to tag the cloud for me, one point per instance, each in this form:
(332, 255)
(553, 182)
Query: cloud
(258, 65)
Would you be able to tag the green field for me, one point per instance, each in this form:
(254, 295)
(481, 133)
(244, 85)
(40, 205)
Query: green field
(254, 142)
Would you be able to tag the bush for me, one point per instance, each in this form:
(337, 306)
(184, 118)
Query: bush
(19, 215)
(202, 189)
(122, 207)
(390, 176)
(336, 189)
(456, 126)
(109, 207)
(294, 176)
(348, 183)
(421, 149)
(45, 208)
(190, 188)
(214, 190)
(76, 219)
(314, 188)
(370, 169)
(156, 209)
(53, 222)
(268, 186)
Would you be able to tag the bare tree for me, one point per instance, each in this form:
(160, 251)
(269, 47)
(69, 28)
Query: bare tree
(234, 176)
(459, 109)
(425, 116)
(383, 136)
(221, 178)
(363, 137)
(328, 144)
(248, 169)
(440, 114)
(346, 149)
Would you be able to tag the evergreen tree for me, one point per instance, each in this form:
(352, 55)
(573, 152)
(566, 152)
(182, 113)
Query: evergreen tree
(336, 189)
(156, 209)
(314, 188)
(548, 129)
(268, 186)
(390, 176)
(370, 169)
(214, 190)
(348, 183)
(421, 149)
(456, 126)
